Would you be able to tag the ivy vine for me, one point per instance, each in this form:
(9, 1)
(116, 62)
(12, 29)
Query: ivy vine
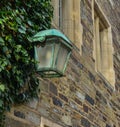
(19, 21)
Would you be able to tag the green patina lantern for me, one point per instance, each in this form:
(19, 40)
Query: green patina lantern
(52, 52)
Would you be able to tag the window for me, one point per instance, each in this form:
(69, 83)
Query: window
(57, 14)
(103, 49)
(48, 123)
(60, 14)
(67, 19)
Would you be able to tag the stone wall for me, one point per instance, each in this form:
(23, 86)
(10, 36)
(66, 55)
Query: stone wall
(83, 98)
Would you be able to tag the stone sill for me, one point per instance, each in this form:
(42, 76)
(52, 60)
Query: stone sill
(107, 83)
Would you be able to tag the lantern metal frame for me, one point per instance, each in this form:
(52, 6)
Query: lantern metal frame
(51, 37)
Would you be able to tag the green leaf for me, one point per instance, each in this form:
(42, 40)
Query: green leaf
(17, 57)
(1, 21)
(22, 31)
(1, 103)
(30, 23)
(5, 49)
(19, 21)
(2, 88)
(1, 41)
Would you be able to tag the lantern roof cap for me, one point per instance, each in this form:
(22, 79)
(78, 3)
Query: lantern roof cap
(40, 36)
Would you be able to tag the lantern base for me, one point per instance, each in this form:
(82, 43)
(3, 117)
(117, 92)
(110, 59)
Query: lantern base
(52, 73)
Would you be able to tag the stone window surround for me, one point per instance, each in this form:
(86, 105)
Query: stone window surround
(103, 65)
(47, 123)
(70, 20)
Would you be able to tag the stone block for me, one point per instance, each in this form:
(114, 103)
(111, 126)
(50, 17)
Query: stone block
(33, 103)
(89, 99)
(63, 97)
(43, 111)
(19, 114)
(67, 120)
(85, 122)
(57, 102)
(85, 108)
(107, 125)
(78, 101)
(80, 96)
(43, 86)
(33, 117)
(15, 123)
(53, 88)
(92, 77)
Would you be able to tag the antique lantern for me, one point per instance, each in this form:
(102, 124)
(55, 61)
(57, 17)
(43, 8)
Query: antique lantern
(52, 52)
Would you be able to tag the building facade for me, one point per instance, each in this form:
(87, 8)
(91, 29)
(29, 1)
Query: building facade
(89, 93)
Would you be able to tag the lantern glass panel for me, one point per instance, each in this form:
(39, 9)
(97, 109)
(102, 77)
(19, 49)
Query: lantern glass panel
(56, 49)
(45, 56)
(62, 58)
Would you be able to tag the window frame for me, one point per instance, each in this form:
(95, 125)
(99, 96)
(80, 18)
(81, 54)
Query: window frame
(104, 59)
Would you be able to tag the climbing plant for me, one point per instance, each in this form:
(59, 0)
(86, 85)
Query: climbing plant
(19, 21)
